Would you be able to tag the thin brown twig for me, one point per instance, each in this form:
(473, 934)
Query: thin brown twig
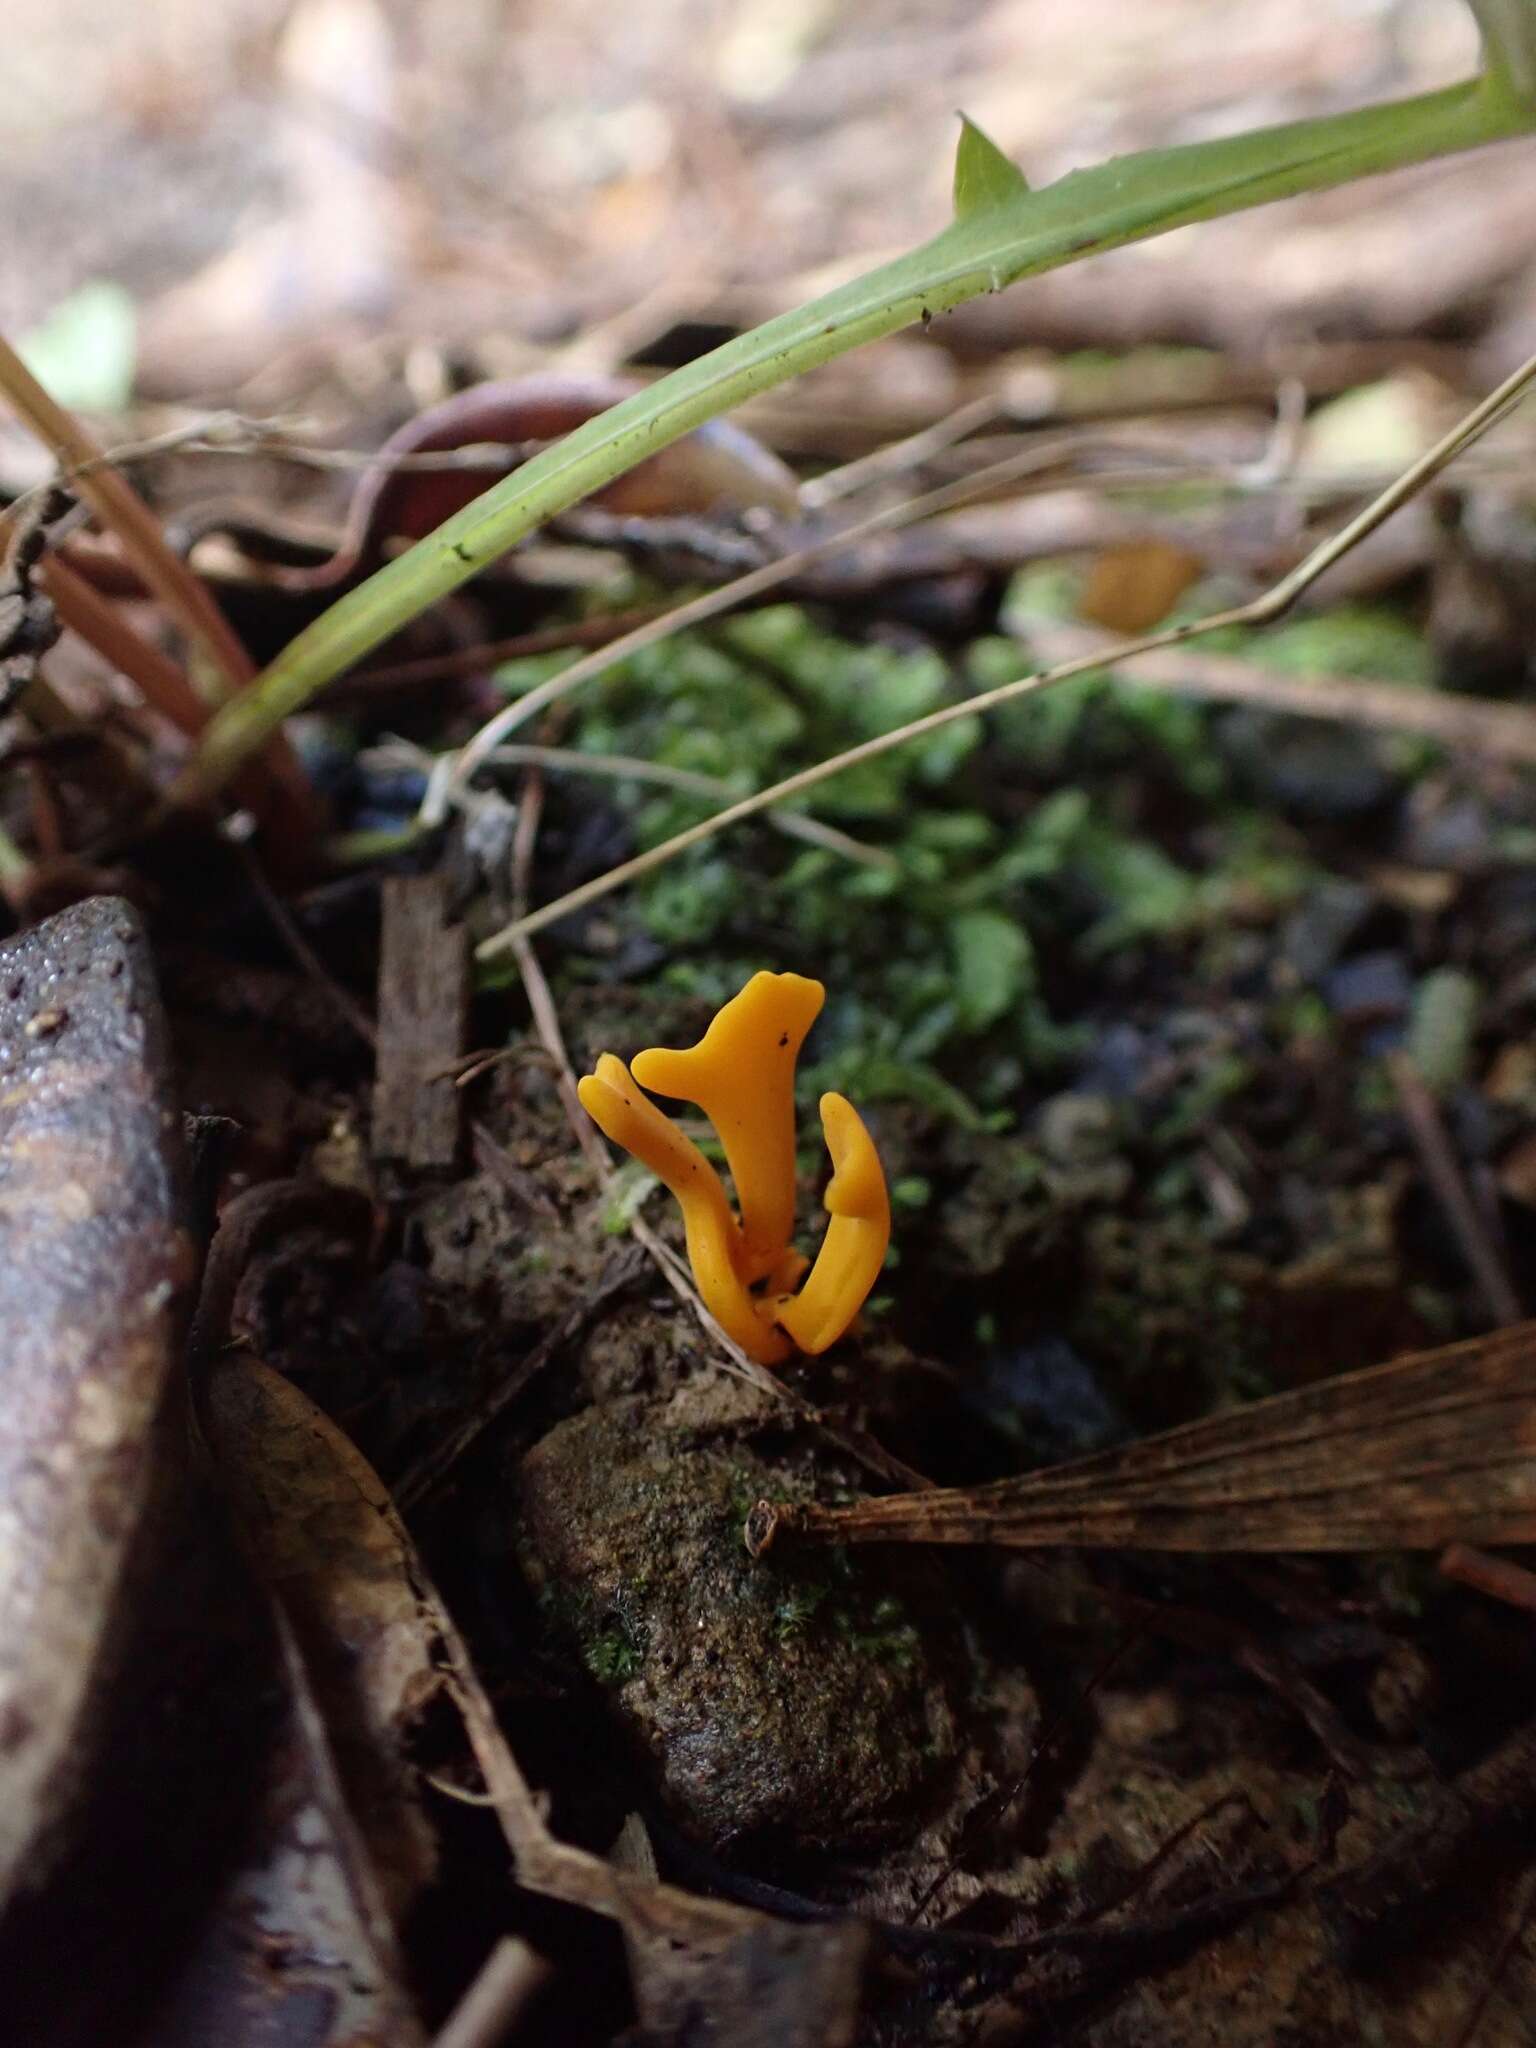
(814, 831)
(161, 682)
(1520, 1920)
(233, 433)
(1499, 1577)
(525, 838)
(466, 1795)
(628, 767)
(119, 507)
(1504, 731)
(286, 927)
(216, 433)
(1442, 1170)
(1039, 465)
(487, 2015)
(899, 457)
(541, 1002)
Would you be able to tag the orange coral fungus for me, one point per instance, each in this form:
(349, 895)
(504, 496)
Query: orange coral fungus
(742, 1075)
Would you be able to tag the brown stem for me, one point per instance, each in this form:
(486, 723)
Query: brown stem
(120, 508)
(161, 681)
(274, 788)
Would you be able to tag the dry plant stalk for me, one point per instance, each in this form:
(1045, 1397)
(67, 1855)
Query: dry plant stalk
(122, 511)
(1435, 1448)
(1500, 732)
(102, 625)
(278, 791)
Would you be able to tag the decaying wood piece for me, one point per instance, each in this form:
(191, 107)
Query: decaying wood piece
(1436, 1448)
(423, 1004)
(92, 1262)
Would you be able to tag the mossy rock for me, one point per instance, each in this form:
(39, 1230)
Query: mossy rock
(802, 1702)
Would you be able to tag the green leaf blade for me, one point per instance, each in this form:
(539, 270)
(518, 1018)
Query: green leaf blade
(984, 176)
(994, 243)
(84, 350)
(994, 966)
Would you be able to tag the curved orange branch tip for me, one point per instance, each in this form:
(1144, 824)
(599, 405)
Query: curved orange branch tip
(742, 1075)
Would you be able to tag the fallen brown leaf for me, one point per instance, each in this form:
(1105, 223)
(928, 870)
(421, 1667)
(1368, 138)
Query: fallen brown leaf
(1133, 587)
(310, 1516)
(1435, 1448)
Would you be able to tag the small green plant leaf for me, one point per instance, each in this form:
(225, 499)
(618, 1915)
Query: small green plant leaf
(1443, 1027)
(993, 964)
(626, 1197)
(983, 175)
(83, 351)
(1509, 43)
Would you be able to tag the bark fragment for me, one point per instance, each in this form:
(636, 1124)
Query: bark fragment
(423, 1004)
(92, 1263)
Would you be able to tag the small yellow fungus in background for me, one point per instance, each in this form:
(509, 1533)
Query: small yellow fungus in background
(742, 1075)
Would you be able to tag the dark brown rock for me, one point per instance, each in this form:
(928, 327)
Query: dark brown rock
(802, 1701)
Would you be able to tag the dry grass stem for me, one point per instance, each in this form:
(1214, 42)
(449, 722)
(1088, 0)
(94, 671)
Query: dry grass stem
(1432, 1141)
(1504, 732)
